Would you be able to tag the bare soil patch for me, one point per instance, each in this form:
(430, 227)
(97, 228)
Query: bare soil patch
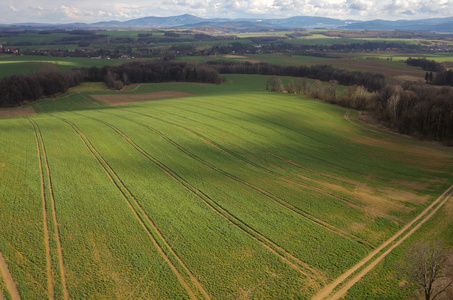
(234, 56)
(409, 78)
(118, 99)
(9, 281)
(17, 112)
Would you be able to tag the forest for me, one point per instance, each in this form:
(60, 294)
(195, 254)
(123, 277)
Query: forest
(20, 89)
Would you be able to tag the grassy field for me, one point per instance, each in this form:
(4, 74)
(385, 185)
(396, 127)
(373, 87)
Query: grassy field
(374, 64)
(16, 65)
(231, 193)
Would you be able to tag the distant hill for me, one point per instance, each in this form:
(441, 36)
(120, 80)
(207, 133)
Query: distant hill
(308, 22)
(437, 24)
(237, 24)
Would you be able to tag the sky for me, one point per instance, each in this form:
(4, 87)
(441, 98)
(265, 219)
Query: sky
(91, 11)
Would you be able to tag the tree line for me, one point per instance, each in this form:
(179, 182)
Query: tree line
(157, 71)
(20, 89)
(326, 73)
(443, 76)
(425, 64)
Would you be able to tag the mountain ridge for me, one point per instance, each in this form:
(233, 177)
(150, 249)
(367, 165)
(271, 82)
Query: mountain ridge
(307, 22)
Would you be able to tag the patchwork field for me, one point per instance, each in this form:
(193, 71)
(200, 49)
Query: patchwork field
(216, 192)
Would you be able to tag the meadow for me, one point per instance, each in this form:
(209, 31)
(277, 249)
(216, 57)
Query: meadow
(230, 193)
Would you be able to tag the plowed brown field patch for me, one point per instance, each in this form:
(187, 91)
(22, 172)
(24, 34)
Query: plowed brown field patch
(17, 112)
(117, 99)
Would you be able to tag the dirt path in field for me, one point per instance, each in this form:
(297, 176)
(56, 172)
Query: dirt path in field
(122, 99)
(50, 279)
(327, 290)
(9, 281)
(17, 112)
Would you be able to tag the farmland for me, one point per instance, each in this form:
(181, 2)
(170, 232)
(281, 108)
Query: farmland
(213, 191)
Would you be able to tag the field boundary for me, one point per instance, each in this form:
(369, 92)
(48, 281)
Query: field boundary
(433, 207)
(8, 278)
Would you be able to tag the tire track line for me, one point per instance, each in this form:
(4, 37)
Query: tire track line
(266, 138)
(264, 241)
(50, 279)
(247, 161)
(260, 135)
(354, 280)
(8, 278)
(435, 206)
(333, 165)
(272, 197)
(329, 144)
(262, 119)
(54, 215)
(144, 220)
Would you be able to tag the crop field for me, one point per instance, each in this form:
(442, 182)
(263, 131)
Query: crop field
(391, 68)
(15, 65)
(204, 192)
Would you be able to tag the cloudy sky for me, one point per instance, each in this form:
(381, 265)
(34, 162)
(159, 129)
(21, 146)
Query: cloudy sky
(90, 11)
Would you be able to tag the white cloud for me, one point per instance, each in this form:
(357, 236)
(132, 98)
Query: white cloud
(102, 10)
(358, 5)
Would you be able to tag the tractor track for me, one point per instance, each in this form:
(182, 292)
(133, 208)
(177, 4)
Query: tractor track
(373, 259)
(290, 138)
(149, 226)
(8, 279)
(311, 171)
(333, 165)
(50, 279)
(308, 136)
(248, 162)
(286, 256)
(43, 158)
(267, 194)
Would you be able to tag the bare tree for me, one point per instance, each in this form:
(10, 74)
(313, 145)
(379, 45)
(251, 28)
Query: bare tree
(291, 87)
(330, 91)
(315, 89)
(301, 86)
(427, 266)
(274, 84)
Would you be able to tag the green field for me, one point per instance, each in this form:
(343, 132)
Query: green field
(231, 193)
(16, 65)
